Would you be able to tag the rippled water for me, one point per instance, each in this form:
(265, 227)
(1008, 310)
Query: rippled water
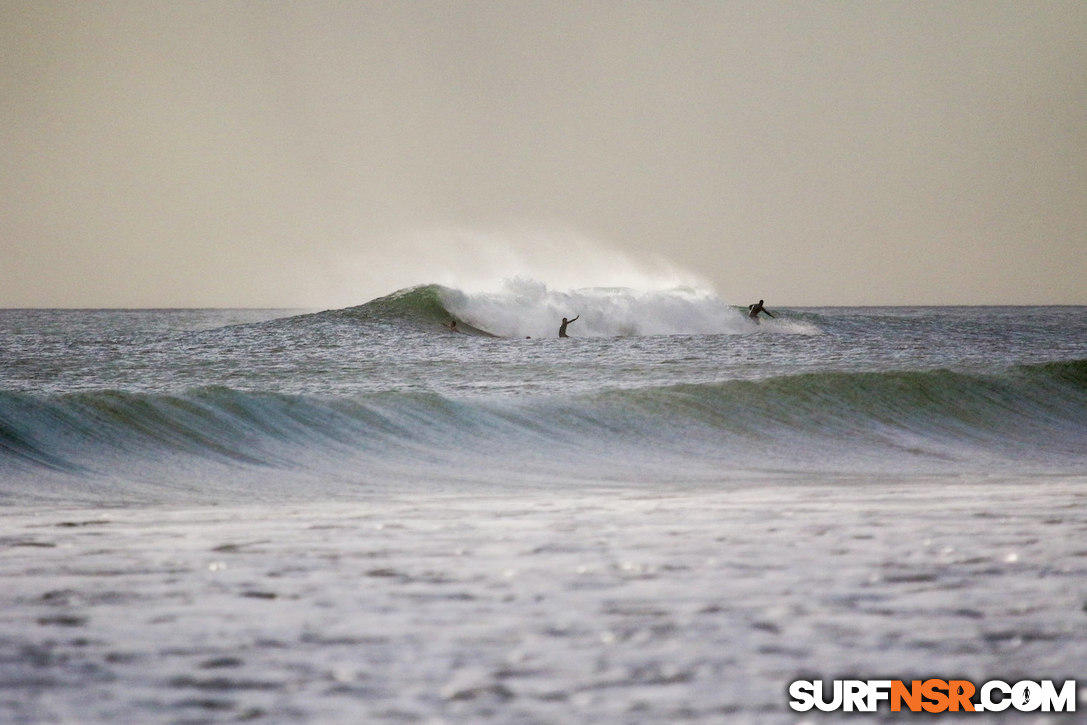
(337, 353)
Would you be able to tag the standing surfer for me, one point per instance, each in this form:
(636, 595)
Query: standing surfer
(754, 310)
(562, 327)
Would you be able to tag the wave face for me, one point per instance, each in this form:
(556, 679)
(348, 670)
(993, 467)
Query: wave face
(226, 443)
(419, 305)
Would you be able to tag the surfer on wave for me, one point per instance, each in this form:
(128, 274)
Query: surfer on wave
(562, 327)
(754, 310)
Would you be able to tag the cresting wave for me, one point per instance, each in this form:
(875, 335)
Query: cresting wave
(1029, 419)
(528, 308)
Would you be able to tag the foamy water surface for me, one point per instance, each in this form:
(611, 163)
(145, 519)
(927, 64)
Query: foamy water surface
(600, 606)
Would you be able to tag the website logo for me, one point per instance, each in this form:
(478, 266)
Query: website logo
(932, 695)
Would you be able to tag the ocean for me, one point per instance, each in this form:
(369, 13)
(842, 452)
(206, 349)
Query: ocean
(363, 515)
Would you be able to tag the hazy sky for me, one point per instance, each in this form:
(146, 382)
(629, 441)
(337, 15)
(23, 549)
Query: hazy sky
(320, 154)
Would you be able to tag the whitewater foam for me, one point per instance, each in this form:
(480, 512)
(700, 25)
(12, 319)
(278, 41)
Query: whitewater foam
(530, 308)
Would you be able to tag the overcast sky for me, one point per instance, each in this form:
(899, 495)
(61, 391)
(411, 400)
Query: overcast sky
(320, 154)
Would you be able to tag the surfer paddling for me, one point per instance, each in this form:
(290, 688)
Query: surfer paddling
(562, 327)
(754, 310)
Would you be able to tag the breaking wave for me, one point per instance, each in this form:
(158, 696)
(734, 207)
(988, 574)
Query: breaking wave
(528, 308)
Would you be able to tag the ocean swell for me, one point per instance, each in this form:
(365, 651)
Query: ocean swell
(1026, 419)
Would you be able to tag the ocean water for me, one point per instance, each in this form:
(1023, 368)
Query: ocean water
(650, 388)
(360, 515)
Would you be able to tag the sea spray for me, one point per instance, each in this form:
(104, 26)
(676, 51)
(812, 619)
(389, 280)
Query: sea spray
(479, 260)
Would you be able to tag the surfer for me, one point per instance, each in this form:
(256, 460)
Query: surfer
(453, 326)
(754, 310)
(562, 327)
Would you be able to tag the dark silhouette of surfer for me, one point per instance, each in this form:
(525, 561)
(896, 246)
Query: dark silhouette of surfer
(754, 310)
(453, 326)
(562, 327)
